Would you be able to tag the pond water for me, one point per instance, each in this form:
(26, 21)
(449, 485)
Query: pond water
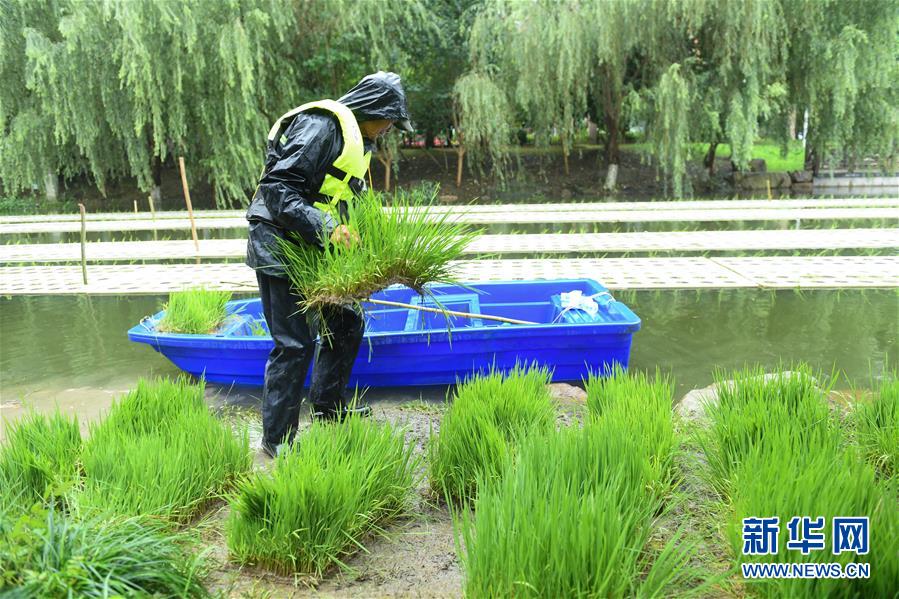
(74, 352)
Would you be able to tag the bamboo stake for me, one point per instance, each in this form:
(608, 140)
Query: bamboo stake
(135, 206)
(450, 312)
(190, 210)
(83, 243)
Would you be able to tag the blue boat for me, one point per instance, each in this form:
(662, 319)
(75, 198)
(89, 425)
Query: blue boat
(406, 347)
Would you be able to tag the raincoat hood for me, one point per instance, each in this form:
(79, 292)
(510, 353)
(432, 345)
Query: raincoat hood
(379, 96)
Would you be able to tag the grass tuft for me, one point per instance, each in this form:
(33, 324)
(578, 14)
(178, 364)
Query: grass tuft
(40, 458)
(161, 452)
(486, 421)
(344, 481)
(409, 244)
(52, 554)
(876, 425)
(194, 311)
(752, 406)
(574, 516)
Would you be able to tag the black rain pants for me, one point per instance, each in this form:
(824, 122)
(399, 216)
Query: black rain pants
(295, 347)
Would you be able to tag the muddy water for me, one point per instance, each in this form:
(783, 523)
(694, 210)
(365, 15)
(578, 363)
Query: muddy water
(74, 352)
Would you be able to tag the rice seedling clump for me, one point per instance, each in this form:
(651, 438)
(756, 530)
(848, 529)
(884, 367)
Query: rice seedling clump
(876, 424)
(161, 452)
(487, 419)
(752, 406)
(39, 459)
(572, 518)
(635, 402)
(342, 482)
(408, 244)
(54, 554)
(774, 450)
(195, 311)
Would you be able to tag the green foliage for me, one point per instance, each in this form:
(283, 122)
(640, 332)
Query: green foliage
(39, 459)
(194, 311)
(342, 482)
(753, 407)
(408, 244)
(573, 517)
(635, 402)
(773, 443)
(486, 422)
(483, 115)
(54, 554)
(671, 131)
(876, 427)
(161, 452)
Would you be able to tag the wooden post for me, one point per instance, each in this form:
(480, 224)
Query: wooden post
(768, 183)
(190, 210)
(83, 243)
(135, 206)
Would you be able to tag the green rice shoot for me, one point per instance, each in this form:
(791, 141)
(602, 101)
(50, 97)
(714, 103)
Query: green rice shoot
(39, 459)
(487, 419)
(754, 406)
(876, 427)
(195, 311)
(55, 554)
(573, 517)
(161, 452)
(641, 404)
(408, 244)
(340, 483)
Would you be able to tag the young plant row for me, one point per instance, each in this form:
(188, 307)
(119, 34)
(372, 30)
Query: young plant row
(560, 513)
(775, 449)
(94, 517)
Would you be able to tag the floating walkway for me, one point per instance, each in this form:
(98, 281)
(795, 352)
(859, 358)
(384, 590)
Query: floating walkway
(675, 241)
(520, 216)
(615, 273)
(490, 208)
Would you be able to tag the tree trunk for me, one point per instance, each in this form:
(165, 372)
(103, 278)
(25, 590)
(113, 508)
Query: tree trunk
(812, 160)
(461, 152)
(386, 162)
(156, 190)
(51, 186)
(612, 118)
(429, 139)
(592, 132)
(564, 139)
(709, 160)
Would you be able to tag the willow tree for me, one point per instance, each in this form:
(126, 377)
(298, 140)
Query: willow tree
(482, 117)
(842, 73)
(130, 82)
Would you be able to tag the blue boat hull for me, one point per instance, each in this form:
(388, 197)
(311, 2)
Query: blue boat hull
(404, 347)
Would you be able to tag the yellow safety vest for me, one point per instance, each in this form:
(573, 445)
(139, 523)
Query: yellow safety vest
(353, 160)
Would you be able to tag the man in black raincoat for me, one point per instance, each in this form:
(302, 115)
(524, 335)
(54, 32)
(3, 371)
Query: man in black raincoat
(302, 149)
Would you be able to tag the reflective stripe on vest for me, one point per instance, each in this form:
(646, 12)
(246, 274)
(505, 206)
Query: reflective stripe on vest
(352, 162)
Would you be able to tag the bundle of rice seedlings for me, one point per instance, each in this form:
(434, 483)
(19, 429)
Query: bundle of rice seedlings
(408, 244)
(53, 554)
(322, 498)
(161, 452)
(876, 424)
(791, 475)
(194, 311)
(642, 405)
(39, 459)
(486, 421)
(755, 405)
(572, 518)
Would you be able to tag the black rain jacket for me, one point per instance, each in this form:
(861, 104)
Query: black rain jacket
(295, 170)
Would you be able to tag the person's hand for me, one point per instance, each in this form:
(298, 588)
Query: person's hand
(343, 235)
